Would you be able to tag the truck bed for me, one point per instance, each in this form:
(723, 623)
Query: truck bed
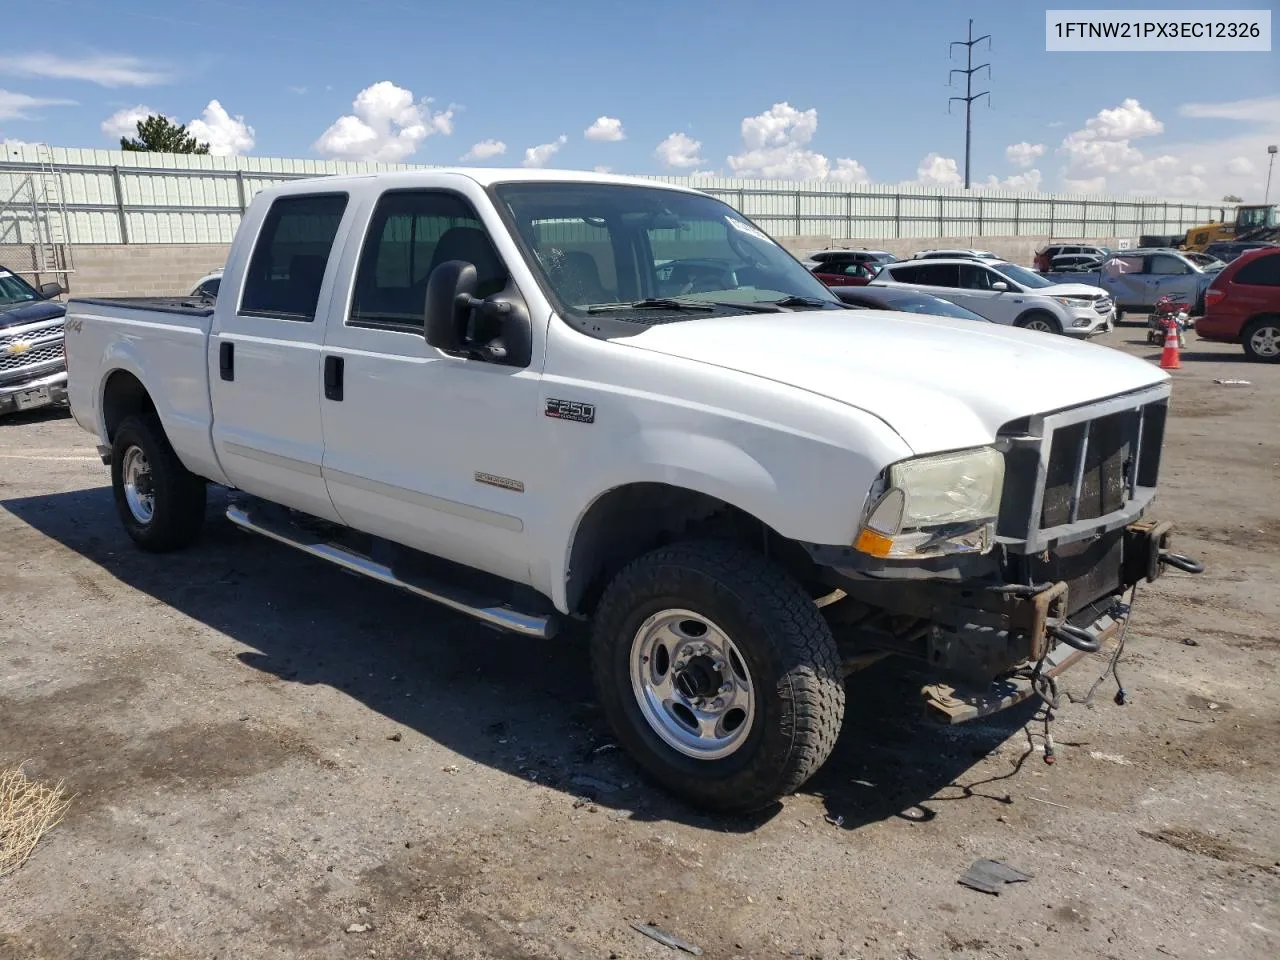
(191, 306)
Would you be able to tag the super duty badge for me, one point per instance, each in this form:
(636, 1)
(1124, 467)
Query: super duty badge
(571, 410)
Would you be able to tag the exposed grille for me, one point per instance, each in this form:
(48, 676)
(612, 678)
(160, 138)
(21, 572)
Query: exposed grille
(1069, 473)
(41, 353)
(36, 333)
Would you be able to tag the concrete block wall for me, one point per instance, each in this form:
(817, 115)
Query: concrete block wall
(127, 270)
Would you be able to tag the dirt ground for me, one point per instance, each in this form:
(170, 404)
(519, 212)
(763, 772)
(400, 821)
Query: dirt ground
(267, 753)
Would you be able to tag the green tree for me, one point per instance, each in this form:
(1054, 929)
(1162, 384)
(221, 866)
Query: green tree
(1231, 198)
(157, 134)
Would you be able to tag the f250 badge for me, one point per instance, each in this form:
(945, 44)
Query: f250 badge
(571, 410)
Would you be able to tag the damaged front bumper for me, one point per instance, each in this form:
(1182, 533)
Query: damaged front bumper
(989, 643)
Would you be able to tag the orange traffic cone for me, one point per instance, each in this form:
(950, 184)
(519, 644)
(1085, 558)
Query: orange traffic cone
(1169, 357)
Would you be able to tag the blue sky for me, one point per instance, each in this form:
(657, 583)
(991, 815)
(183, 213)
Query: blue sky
(859, 95)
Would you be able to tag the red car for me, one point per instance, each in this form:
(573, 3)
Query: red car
(836, 274)
(1242, 305)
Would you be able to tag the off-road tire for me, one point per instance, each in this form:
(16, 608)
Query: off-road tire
(789, 652)
(1055, 326)
(180, 495)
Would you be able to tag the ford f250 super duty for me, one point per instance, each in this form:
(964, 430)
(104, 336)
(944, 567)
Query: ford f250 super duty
(541, 396)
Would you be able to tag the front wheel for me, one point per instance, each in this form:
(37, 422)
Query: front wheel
(1261, 340)
(718, 674)
(1039, 320)
(160, 502)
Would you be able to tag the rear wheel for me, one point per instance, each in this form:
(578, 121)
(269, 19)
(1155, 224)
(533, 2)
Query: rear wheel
(1261, 339)
(160, 502)
(1039, 320)
(718, 674)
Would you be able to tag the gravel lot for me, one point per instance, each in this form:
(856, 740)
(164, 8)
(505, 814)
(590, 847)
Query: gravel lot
(265, 751)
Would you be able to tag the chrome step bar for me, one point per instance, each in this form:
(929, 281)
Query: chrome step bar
(489, 612)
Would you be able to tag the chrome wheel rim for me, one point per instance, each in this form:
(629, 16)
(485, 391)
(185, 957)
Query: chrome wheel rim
(692, 684)
(139, 493)
(1265, 341)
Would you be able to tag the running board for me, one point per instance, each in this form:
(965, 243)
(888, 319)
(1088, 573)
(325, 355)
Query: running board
(487, 611)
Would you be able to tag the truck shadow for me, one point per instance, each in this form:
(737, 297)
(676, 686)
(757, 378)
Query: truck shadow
(523, 707)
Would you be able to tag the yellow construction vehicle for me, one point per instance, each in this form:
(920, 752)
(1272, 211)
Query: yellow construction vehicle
(1253, 222)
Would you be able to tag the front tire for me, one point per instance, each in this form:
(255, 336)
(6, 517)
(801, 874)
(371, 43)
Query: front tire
(160, 502)
(1040, 320)
(1261, 340)
(718, 674)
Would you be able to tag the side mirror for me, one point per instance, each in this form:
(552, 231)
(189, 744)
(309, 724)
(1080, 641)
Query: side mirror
(496, 329)
(999, 286)
(447, 312)
(51, 290)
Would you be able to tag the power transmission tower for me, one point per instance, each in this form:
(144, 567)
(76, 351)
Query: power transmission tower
(969, 95)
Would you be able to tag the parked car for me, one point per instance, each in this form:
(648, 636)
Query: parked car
(849, 256)
(1228, 250)
(1075, 263)
(1008, 294)
(837, 274)
(1136, 279)
(33, 370)
(1242, 305)
(954, 255)
(1044, 258)
(529, 434)
(903, 300)
(206, 287)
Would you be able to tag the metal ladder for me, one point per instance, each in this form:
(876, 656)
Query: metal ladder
(35, 215)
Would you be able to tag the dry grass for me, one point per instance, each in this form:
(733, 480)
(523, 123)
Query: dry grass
(28, 810)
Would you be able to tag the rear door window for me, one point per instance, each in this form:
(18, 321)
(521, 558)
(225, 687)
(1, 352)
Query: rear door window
(292, 252)
(1263, 272)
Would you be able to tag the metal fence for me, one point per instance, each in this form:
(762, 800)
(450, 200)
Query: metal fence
(114, 197)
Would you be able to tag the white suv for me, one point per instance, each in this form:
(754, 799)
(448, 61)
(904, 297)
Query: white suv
(1006, 293)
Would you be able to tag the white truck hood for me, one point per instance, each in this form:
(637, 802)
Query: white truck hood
(940, 383)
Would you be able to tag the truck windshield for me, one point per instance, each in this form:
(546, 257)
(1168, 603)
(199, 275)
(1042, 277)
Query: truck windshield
(615, 245)
(14, 289)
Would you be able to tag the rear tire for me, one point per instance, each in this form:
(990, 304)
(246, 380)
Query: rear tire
(1040, 320)
(161, 503)
(691, 636)
(1261, 339)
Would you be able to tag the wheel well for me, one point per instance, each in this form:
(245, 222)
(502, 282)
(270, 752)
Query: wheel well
(633, 519)
(123, 396)
(1034, 311)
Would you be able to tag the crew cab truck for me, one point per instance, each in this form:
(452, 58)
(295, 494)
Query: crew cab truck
(484, 387)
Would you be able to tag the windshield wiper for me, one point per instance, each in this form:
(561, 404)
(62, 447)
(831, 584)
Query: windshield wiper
(652, 303)
(794, 301)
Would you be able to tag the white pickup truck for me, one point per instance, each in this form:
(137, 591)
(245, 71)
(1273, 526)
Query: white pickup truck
(539, 397)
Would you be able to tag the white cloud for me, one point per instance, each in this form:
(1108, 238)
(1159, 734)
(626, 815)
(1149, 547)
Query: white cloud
(14, 106)
(541, 155)
(1257, 110)
(600, 168)
(936, 170)
(1023, 155)
(776, 148)
(106, 70)
(298, 90)
(1101, 156)
(849, 171)
(226, 135)
(1240, 166)
(774, 143)
(605, 130)
(1028, 180)
(679, 150)
(485, 150)
(386, 124)
(124, 122)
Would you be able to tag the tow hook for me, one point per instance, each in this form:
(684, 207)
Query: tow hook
(1180, 562)
(1073, 636)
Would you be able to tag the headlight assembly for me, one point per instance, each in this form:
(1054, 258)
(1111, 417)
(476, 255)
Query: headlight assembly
(936, 505)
